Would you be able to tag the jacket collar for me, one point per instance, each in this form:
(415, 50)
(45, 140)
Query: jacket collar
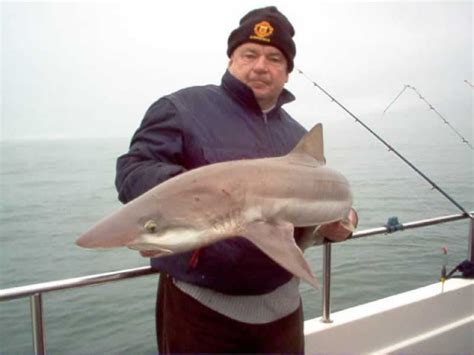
(245, 96)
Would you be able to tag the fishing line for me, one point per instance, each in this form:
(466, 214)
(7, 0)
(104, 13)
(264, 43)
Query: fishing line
(395, 99)
(464, 140)
(390, 148)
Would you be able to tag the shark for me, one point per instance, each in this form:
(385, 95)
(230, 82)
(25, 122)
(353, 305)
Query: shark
(262, 200)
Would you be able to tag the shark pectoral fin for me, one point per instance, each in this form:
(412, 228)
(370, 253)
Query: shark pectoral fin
(276, 240)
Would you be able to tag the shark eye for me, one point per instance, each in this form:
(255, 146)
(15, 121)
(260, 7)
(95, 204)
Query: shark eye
(151, 226)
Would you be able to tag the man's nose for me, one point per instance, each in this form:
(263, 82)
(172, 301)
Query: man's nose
(261, 64)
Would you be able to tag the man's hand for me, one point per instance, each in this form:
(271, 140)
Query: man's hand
(339, 231)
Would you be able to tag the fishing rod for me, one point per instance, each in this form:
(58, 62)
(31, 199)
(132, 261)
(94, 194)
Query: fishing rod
(464, 140)
(469, 83)
(390, 148)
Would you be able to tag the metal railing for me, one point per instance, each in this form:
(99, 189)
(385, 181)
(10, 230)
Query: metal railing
(386, 230)
(35, 291)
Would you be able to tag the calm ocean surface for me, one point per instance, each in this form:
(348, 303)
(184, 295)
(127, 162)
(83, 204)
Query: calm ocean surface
(51, 191)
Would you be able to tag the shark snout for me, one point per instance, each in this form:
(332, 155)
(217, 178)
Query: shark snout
(119, 229)
(94, 240)
(109, 234)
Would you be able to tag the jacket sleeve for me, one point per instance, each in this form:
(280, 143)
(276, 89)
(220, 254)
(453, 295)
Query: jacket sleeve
(155, 154)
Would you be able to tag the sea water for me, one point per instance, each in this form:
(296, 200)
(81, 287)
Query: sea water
(53, 190)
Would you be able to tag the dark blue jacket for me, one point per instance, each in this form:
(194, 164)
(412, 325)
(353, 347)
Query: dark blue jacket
(199, 126)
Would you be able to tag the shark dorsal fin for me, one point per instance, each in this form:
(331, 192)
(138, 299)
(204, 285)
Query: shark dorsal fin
(312, 144)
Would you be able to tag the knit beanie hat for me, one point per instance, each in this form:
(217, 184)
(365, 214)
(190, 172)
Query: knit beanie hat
(265, 26)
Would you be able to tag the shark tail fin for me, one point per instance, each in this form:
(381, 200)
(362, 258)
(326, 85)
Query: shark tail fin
(312, 144)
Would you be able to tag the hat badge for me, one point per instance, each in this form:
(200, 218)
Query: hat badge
(263, 29)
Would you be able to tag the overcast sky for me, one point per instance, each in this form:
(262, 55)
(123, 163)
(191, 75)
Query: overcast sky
(90, 69)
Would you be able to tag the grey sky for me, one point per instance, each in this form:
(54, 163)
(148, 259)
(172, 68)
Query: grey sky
(92, 69)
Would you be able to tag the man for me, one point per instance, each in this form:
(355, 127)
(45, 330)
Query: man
(229, 296)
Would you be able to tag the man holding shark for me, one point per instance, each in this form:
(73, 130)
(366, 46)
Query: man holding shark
(228, 296)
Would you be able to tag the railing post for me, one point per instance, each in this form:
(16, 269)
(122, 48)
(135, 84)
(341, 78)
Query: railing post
(470, 248)
(326, 318)
(36, 307)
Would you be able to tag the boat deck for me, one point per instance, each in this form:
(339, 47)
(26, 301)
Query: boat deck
(435, 319)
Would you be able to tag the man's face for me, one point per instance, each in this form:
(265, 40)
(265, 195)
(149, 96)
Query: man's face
(262, 68)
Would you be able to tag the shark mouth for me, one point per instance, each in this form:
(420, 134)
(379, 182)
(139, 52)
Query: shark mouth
(147, 245)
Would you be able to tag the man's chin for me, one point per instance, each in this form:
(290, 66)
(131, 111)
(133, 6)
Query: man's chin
(260, 93)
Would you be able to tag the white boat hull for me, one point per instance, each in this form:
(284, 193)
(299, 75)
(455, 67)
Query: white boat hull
(429, 320)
